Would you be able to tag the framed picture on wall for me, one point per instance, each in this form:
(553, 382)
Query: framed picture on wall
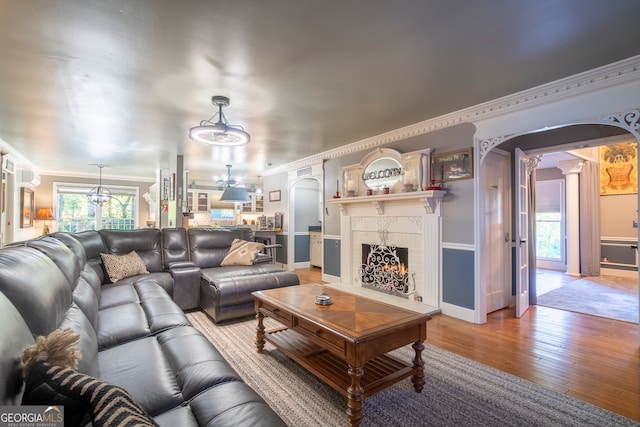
(453, 165)
(618, 164)
(26, 207)
(274, 196)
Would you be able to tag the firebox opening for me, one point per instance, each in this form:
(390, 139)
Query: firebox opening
(386, 269)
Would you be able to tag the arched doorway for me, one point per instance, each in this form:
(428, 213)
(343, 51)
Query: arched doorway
(561, 136)
(305, 211)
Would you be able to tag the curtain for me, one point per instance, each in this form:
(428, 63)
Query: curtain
(531, 232)
(590, 219)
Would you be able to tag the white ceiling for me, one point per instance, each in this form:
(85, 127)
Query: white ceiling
(551, 160)
(121, 82)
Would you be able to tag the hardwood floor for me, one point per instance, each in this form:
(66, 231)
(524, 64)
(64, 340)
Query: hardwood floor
(593, 359)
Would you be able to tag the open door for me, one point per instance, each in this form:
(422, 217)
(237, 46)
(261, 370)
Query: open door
(521, 231)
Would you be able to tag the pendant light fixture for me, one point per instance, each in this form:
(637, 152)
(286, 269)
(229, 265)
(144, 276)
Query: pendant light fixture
(221, 132)
(99, 196)
(234, 194)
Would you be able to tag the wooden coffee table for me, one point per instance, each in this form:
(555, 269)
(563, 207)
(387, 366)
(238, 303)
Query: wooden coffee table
(345, 343)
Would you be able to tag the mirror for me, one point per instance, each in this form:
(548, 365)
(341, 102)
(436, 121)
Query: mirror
(382, 172)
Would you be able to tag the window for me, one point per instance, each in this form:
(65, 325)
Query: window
(550, 223)
(74, 213)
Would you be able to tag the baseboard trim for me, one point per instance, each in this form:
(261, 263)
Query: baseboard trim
(458, 312)
(631, 274)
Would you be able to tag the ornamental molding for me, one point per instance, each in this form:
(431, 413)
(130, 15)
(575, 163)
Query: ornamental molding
(532, 162)
(607, 76)
(628, 120)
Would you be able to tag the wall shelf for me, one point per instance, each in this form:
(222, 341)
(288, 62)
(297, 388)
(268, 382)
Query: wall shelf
(429, 198)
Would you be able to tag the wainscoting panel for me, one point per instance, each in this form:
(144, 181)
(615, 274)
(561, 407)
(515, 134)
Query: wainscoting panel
(457, 277)
(331, 250)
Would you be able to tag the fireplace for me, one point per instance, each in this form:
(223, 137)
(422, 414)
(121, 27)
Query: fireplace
(400, 222)
(385, 269)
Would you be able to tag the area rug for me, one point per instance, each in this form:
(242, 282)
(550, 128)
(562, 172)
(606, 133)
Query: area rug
(598, 296)
(458, 392)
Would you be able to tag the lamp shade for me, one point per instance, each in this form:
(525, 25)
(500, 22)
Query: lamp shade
(44, 214)
(235, 194)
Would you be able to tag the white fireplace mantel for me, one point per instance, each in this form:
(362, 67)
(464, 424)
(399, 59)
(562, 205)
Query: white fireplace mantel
(431, 200)
(409, 220)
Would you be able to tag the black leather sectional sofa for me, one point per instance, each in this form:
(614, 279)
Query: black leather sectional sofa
(133, 333)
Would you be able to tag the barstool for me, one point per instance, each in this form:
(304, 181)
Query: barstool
(271, 250)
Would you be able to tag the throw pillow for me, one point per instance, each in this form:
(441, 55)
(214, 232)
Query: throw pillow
(242, 252)
(84, 398)
(122, 266)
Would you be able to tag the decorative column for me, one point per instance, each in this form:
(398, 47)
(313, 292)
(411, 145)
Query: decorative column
(571, 169)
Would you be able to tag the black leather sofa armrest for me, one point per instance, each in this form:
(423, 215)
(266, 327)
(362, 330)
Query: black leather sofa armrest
(260, 258)
(180, 264)
(186, 286)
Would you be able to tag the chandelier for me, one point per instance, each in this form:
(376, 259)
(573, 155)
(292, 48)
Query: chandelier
(220, 132)
(99, 196)
(234, 194)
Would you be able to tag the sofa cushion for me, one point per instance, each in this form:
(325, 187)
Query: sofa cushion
(146, 242)
(242, 252)
(93, 246)
(199, 379)
(175, 246)
(61, 255)
(164, 279)
(129, 312)
(122, 266)
(14, 336)
(36, 286)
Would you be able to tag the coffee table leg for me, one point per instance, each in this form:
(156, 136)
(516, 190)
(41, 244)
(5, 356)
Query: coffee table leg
(354, 393)
(418, 367)
(260, 332)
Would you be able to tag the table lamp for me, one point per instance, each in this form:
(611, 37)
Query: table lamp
(45, 214)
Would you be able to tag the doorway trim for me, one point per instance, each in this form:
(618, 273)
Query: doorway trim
(628, 120)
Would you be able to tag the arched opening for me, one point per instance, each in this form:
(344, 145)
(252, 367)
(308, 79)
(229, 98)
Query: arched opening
(536, 144)
(305, 213)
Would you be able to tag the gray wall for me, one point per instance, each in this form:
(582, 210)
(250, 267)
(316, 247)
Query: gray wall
(457, 219)
(274, 183)
(617, 213)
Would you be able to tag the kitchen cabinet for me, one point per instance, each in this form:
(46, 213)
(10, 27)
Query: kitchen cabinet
(315, 248)
(256, 205)
(197, 201)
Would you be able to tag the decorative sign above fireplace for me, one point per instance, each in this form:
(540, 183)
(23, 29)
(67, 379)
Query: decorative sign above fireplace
(387, 171)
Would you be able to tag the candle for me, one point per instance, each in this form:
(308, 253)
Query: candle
(337, 185)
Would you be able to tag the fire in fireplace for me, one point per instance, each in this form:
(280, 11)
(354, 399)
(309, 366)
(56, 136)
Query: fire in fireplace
(385, 268)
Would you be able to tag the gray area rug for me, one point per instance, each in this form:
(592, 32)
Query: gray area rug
(459, 391)
(598, 296)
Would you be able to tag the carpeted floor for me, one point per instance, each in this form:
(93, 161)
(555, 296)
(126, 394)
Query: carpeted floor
(614, 298)
(459, 391)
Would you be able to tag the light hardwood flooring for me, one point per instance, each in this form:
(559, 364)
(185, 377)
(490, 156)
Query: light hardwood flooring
(590, 358)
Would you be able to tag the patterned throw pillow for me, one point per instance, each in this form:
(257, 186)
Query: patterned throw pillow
(106, 404)
(242, 252)
(122, 266)
(49, 371)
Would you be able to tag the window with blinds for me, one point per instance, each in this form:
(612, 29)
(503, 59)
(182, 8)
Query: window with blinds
(550, 217)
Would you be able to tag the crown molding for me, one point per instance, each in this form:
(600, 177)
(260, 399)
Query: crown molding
(609, 75)
(71, 174)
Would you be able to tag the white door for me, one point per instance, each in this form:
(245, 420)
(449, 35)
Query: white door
(521, 237)
(496, 224)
